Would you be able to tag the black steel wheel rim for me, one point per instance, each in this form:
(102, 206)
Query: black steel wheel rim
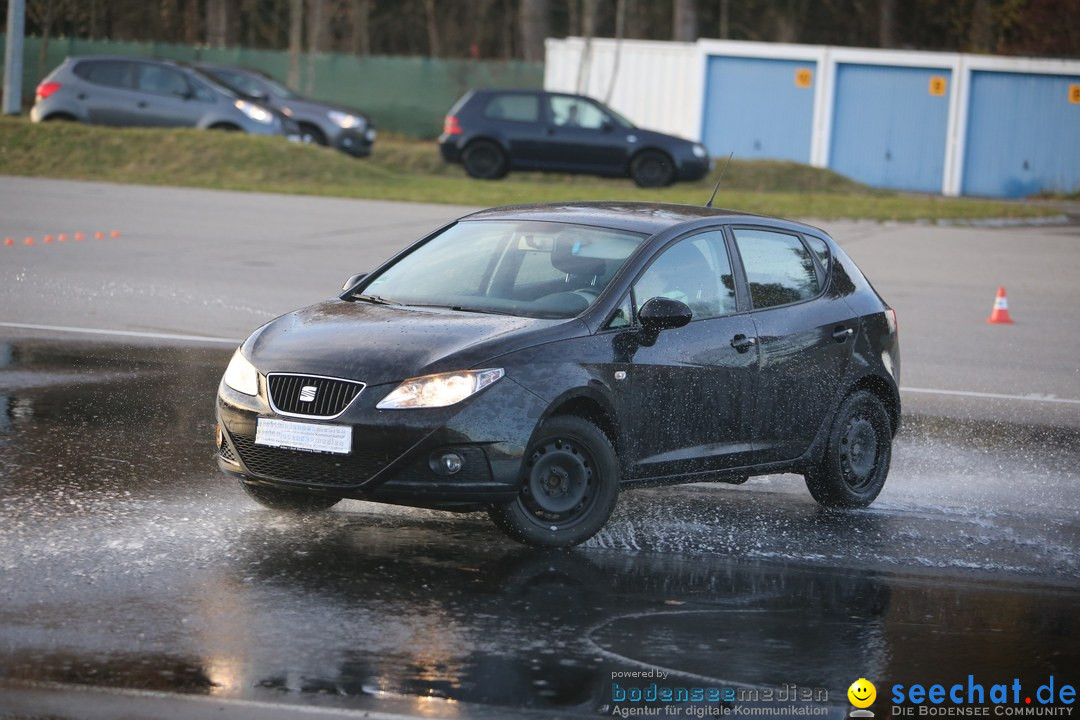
(484, 161)
(560, 487)
(859, 453)
(651, 171)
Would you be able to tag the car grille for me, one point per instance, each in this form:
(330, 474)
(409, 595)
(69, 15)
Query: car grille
(226, 452)
(332, 396)
(309, 468)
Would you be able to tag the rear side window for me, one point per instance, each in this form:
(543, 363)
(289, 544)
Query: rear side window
(113, 73)
(820, 249)
(519, 108)
(161, 80)
(779, 268)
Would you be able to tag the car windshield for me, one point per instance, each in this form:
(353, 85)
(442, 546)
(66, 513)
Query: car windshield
(524, 268)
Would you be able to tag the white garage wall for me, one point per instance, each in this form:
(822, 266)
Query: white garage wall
(657, 85)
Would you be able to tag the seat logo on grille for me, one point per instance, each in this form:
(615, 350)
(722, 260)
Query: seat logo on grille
(307, 393)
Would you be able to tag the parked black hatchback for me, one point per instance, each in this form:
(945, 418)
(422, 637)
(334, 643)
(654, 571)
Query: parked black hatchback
(535, 360)
(491, 132)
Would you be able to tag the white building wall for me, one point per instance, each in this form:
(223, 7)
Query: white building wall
(656, 85)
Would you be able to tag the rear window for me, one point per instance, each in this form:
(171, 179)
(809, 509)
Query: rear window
(113, 73)
(779, 268)
(518, 108)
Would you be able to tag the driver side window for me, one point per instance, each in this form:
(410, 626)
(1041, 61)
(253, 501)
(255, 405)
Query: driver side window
(695, 271)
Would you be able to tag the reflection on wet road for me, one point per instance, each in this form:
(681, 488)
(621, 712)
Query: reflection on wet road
(128, 561)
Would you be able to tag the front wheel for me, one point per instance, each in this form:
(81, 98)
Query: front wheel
(856, 461)
(570, 487)
(652, 169)
(288, 500)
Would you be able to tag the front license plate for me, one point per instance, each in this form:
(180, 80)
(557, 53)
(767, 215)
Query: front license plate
(312, 437)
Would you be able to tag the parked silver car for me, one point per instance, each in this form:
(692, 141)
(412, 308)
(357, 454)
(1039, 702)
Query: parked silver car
(146, 92)
(338, 126)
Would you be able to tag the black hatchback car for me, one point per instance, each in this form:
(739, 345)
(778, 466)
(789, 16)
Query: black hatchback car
(535, 360)
(491, 132)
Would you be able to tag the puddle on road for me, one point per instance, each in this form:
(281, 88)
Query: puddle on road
(130, 562)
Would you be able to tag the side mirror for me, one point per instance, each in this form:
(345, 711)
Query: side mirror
(661, 313)
(353, 281)
(607, 126)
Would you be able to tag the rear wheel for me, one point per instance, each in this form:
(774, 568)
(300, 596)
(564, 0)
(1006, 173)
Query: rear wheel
(485, 160)
(277, 499)
(571, 486)
(857, 456)
(652, 168)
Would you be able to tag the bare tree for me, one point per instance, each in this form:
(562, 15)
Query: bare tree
(217, 20)
(535, 22)
(315, 35)
(361, 27)
(433, 37)
(296, 41)
(685, 21)
(887, 24)
(588, 29)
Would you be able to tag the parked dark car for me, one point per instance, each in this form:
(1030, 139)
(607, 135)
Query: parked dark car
(535, 360)
(338, 126)
(147, 92)
(491, 132)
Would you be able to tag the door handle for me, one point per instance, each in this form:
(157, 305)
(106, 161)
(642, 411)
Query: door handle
(841, 333)
(550, 131)
(141, 104)
(742, 343)
(81, 96)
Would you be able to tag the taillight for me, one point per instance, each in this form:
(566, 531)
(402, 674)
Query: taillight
(46, 89)
(451, 126)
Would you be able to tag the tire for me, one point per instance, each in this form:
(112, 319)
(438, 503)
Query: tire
(289, 501)
(570, 486)
(652, 169)
(225, 127)
(485, 160)
(857, 455)
(312, 135)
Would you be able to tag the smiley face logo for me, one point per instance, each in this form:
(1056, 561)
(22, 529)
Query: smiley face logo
(862, 693)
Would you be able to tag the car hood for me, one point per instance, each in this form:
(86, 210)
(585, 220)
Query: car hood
(305, 107)
(651, 136)
(378, 344)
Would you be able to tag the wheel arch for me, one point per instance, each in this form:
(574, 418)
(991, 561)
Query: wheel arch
(589, 406)
(885, 392)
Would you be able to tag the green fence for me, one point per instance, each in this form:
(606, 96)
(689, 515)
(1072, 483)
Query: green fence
(408, 95)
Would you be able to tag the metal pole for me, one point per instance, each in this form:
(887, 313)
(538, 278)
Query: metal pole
(13, 57)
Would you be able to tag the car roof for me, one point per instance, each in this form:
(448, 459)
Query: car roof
(629, 216)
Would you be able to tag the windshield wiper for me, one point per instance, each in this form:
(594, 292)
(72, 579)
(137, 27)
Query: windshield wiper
(373, 299)
(484, 311)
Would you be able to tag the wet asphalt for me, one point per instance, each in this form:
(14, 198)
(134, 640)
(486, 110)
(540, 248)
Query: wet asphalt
(129, 562)
(136, 581)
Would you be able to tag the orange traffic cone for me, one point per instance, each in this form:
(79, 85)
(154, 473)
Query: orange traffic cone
(1001, 309)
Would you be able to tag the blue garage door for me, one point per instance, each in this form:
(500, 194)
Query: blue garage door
(1023, 135)
(759, 108)
(889, 126)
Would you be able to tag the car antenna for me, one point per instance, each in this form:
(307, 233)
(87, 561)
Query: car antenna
(722, 171)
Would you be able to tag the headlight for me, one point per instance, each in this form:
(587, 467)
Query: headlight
(700, 151)
(434, 391)
(255, 112)
(347, 121)
(241, 375)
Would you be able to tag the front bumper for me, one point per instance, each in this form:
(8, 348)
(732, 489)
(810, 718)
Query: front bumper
(356, 143)
(693, 168)
(390, 457)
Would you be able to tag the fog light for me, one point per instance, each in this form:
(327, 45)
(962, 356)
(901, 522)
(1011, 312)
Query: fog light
(447, 463)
